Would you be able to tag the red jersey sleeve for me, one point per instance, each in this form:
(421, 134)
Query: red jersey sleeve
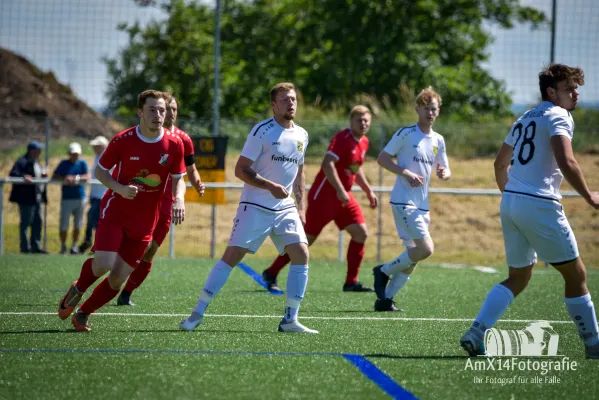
(178, 168)
(337, 146)
(188, 150)
(112, 154)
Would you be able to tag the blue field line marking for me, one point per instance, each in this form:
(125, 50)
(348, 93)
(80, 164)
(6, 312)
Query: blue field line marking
(257, 277)
(381, 379)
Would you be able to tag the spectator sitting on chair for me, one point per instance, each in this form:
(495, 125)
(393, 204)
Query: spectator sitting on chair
(96, 193)
(74, 173)
(29, 197)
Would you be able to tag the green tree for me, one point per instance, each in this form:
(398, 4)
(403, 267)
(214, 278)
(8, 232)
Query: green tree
(331, 49)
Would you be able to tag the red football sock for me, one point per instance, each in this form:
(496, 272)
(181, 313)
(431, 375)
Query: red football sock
(101, 295)
(139, 274)
(87, 277)
(355, 255)
(278, 265)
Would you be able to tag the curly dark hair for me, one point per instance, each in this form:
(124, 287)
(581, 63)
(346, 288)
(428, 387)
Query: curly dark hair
(555, 73)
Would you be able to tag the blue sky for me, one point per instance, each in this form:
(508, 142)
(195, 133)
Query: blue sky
(69, 38)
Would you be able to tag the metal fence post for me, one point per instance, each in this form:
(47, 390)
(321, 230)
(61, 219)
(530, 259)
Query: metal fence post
(340, 246)
(1, 218)
(379, 233)
(213, 232)
(171, 241)
(45, 222)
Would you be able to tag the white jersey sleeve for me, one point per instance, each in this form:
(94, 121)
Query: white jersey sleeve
(561, 125)
(252, 147)
(398, 140)
(441, 156)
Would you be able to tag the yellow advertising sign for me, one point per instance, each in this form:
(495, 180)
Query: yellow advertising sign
(210, 161)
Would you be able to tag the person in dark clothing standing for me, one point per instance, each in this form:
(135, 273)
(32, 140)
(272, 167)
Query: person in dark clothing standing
(29, 197)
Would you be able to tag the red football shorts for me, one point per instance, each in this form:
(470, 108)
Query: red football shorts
(112, 236)
(325, 209)
(162, 227)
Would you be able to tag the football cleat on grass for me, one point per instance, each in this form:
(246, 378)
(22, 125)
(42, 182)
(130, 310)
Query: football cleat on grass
(473, 343)
(124, 299)
(79, 321)
(592, 352)
(380, 282)
(70, 300)
(386, 305)
(357, 287)
(271, 281)
(192, 322)
(294, 327)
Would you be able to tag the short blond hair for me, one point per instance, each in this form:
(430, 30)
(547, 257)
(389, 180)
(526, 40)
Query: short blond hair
(280, 87)
(359, 109)
(149, 94)
(426, 96)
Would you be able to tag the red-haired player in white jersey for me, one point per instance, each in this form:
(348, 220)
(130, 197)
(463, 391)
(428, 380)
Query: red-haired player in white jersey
(164, 221)
(330, 198)
(144, 156)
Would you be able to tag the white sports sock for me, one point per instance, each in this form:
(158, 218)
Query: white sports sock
(395, 284)
(494, 306)
(403, 261)
(297, 280)
(582, 312)
(216, 280)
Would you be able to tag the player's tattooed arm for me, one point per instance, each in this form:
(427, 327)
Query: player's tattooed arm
(299, 189)
(245, 172)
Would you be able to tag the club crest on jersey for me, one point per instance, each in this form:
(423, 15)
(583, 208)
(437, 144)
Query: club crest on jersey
(300, 146)
(163, 159)
(435, 150)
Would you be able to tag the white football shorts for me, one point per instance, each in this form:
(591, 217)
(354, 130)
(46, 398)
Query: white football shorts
(411, 223)
(252, 225)
(535, 226)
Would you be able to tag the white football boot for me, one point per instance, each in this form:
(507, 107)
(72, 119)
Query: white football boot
(192, 322)
(294, 327)
(473, 343)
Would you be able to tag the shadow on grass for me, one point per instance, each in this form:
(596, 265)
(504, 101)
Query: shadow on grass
(41, 331)
(199, 331)
(434, 357)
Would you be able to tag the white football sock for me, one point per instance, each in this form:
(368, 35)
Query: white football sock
(582, 312)
(403, 261)
(494, 306)
(216, 280)
(297, 280)
(395, 284)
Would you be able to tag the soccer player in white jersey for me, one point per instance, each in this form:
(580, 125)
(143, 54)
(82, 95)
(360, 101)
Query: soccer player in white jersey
(271, 165)
(529, 169)
(419, 151)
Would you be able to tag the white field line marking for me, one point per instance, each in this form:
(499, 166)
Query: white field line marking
(278, 316)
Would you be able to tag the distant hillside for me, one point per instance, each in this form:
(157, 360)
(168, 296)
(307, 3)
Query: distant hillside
(28, 95)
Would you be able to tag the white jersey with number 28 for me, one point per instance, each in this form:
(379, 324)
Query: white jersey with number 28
(534, 171)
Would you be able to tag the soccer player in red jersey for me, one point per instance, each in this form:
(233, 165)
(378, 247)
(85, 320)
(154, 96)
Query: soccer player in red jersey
(164, 220)
(144, 156)
(330, 198)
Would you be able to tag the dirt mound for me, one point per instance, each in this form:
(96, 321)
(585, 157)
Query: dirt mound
(29, 96)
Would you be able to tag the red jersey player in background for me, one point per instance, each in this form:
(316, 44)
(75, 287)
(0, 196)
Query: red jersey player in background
(144, 156)
(330, 198)
(164, 220)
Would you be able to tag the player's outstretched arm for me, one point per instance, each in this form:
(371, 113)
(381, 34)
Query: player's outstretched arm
(502, 164)
(179, 203)
(126, 191)
(564, 156)
(244, 171)
(299, 189)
